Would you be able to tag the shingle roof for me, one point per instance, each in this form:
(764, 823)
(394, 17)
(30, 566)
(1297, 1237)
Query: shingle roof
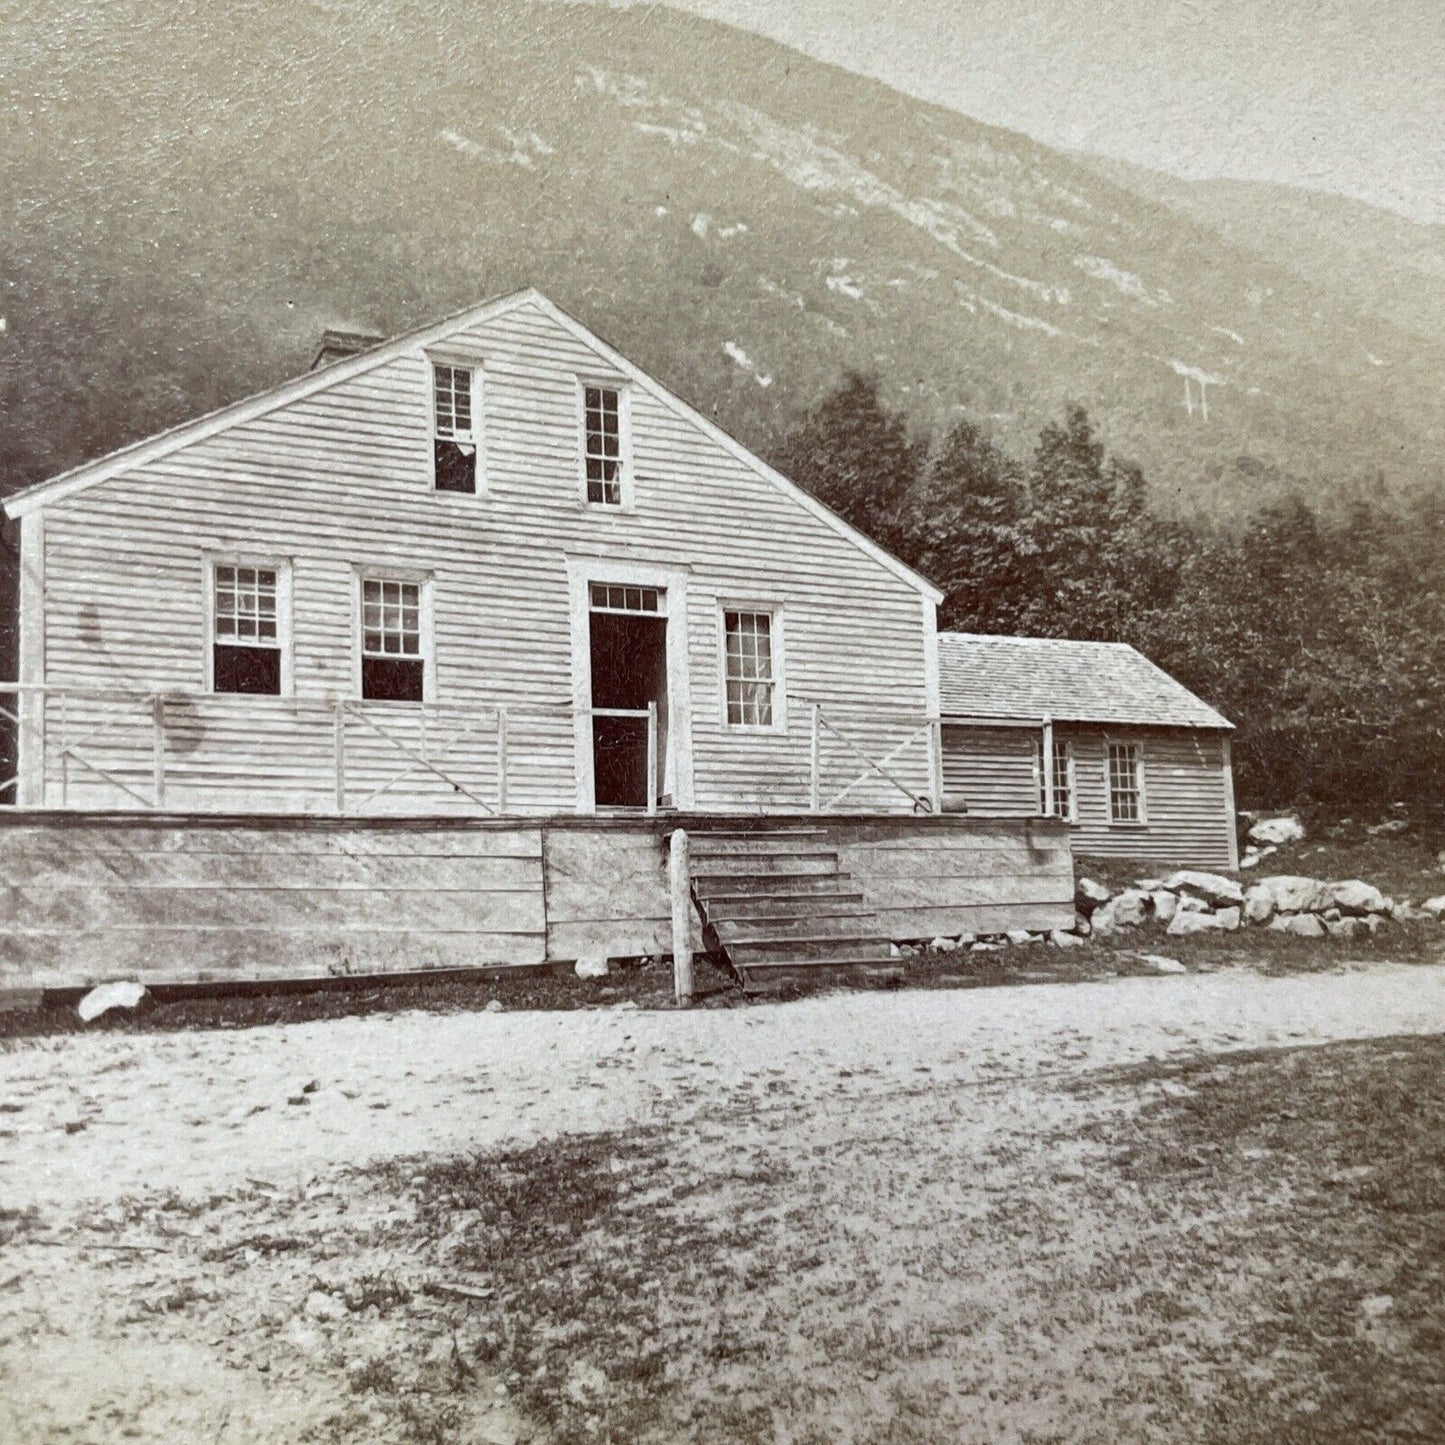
(1027, 677)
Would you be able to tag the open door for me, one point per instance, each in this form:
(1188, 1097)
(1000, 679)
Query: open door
(629, 671)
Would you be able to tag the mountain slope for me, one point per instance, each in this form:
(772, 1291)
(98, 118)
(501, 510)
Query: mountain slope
(195, 191)
(1394, 266)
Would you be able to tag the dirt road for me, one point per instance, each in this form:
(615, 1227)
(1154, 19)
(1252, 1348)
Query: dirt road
(196, 1113)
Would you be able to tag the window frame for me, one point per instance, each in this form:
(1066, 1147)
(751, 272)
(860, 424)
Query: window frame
(1140, 787)
(624, 442)
(1066, 746)
(281, 566)
(473, 365)
(776, 628)
(423, 581)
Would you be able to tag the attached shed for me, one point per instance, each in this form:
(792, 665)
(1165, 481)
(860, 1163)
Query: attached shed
(1091, 732)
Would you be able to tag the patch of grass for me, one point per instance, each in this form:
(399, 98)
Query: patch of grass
(1323, 1172)
(597, 1277)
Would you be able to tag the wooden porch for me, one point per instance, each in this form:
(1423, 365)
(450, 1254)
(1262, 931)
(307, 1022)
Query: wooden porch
(193, 898)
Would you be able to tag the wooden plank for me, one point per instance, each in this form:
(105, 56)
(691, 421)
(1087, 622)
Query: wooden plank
(55, 867)
(950, 921)
(30, 911)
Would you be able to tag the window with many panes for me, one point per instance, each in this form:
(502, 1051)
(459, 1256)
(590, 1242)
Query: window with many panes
(1063, 778)
(602, 428)
(615, 597)
(245, 629)
(749, 678)
(393, 665)
(454, 430)
(1126, 783)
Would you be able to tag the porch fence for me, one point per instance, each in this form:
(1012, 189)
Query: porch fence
(106, 748)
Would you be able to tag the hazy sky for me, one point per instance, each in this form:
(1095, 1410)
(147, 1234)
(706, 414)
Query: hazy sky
(1341, 95)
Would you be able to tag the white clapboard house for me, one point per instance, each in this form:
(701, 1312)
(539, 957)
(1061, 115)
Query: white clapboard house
(1094, 733)
(411, 661)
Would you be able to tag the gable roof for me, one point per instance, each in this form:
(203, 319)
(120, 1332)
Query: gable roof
(985, 677)
(150, 449)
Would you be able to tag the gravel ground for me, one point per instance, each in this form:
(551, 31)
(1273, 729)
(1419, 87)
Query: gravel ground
(888, 1209)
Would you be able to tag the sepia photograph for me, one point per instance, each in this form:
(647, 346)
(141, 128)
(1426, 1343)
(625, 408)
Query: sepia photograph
(722, 723)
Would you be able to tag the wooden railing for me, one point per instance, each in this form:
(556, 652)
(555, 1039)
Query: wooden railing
(831, 731)
(124, 744)
(68, 738)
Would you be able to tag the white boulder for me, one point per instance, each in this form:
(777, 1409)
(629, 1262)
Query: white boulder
(125, 993)
(1166, 905)
(1062, 938)
(1352, 896)
(1435, 907)
(1020, 936)
(1284, 829)
(1188, 903)
(591, 967)
(1301, 925)
(1088, 895)
(1131, 907)
(1281, 894)
(1214, 888)
(1160, 964)
(1228, 919)
(1183, 924)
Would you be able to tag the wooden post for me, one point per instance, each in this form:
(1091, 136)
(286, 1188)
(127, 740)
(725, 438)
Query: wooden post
(158, 749)
(935, 763)
(652, 757)
(64, 756)
(680, 880)
(339, 748)
(815, 783)
(501, 762)
(1048, 769)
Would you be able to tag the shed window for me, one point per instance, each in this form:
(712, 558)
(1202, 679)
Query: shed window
(246, 643)
(1063, 778)
(602, 420)
(393, 668)
(749, 676)
(1126, 784)
(454, 438)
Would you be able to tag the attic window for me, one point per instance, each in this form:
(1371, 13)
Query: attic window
(245, 630)
(602, 422)
(454, 433)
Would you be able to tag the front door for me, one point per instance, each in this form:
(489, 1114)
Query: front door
(628, 630)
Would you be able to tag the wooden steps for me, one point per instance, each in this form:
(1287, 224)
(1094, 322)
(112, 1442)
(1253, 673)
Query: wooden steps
(775, 901)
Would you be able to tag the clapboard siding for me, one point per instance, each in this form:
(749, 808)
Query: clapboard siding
(340, 480)
(1187, 789)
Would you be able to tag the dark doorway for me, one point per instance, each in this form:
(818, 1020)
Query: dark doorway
(629, 670)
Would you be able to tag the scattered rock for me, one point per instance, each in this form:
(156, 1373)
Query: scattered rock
(1103, 922)
(1131, 908)
(322, 1306)
(1344, 927)
(1166, 904)
(1088, 895)
(1214, 888)
(1284, 829)
(1390, 825)
(1302, 925)
(894, 951)
(1188, 903)
(982, 947)
(591, 967)
(1281, 894)
(1435, 907)
(1062, 938)
(1228, 919)
(965, 940)
(1352, 896)
(942, 945)
(124, 993)
(1020, 936)
(1406, 912)
(1377, 1305)
(1184, 923)
(494, 1006)
(1160, 964)
(1253, 856)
